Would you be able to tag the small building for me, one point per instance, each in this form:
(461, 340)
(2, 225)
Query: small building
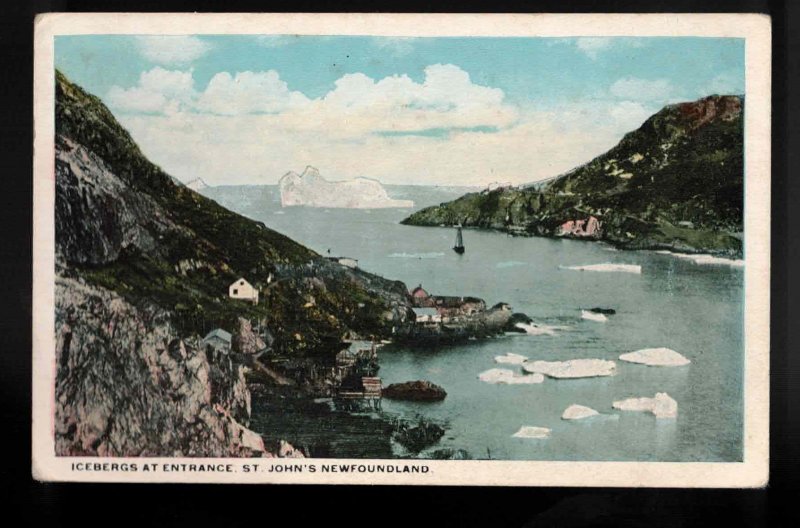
(241, 289)
(345, 261)
(419, 293)
(218, 339)
(449, 306)
(427, 315)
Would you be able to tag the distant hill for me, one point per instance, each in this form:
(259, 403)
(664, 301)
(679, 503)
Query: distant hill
(676, 182)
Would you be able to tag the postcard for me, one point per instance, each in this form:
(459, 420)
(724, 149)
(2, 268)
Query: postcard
(430, 249)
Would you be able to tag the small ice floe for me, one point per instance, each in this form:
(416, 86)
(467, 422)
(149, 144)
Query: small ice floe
(511, 359)
(656, 357)
(573, 368)
(662, 405)
(539, 329)
(608, 266)
(578, 412)
(509, 377)
(592, 316)
(416, 255)
(509, 264)
(529, 431)
(702, 258)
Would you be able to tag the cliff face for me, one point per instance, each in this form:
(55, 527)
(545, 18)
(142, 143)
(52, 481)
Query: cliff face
(675, 183)
(143, 266)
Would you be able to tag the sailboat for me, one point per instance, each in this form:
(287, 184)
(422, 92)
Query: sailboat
(459, 247)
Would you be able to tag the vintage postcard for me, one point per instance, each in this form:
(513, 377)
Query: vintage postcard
(526, 250)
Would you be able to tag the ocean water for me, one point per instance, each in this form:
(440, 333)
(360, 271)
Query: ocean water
(693, 308)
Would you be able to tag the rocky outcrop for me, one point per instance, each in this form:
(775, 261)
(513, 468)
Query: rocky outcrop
(676, 183)
(415, 391)
(127, 385)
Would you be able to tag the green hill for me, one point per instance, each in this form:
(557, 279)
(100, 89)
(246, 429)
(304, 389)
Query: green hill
(674, 183)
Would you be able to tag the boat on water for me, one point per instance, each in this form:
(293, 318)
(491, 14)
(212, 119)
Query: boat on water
(459, 247)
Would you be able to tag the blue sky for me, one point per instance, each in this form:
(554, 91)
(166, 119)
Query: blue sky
(246, 109)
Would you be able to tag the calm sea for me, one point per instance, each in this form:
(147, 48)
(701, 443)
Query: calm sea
(695, 309)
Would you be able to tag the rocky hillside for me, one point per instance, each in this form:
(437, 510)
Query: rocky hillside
(143, 265)
(674, 183)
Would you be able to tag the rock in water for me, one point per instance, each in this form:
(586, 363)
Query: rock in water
(606, 311)
(415, 391)
(656, 357)
(573, 368)
(508, 377)
(578, 412)
(529, 431)
(662, 405)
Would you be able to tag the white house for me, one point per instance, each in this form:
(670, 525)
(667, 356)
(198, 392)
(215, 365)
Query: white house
(241, 289)
(427, 315)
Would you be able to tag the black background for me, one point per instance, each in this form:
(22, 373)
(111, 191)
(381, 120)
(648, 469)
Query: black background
(37, 504)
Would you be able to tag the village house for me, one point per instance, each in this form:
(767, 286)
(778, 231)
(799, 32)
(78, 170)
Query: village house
(448, 306)
(590, 227)
(241, 289)
(419, 296)
(218, 339)
(427, 315)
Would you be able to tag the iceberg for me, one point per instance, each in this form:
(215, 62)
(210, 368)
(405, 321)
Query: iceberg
(511, 359)
(312, 190)
(509, 377)
(529, 431)
(592, 316)
(608, 266)
(656, 357)
(536, 329)
(578, 412)
(702, 258)
(662, 405)
(416, 255)
(197, 184)
(573, 368)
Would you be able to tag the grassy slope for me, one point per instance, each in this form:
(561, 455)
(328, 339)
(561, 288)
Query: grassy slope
(228, 245)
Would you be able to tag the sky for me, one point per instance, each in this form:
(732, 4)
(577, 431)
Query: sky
(247, 109)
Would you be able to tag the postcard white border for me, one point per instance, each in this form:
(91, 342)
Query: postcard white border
(754, 28)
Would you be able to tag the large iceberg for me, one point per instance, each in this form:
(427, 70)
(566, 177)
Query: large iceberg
(578, 412)
(573, 368)
(312, 190)
(508, 377)
(662, 405)
(656, 357)
(608, 266)
(530, 431)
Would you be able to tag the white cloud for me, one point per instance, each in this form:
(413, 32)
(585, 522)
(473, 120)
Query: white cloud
(727, 83)
(591, 46)
(250, 127)
(635, 89)
(171, 50)
(273, 41)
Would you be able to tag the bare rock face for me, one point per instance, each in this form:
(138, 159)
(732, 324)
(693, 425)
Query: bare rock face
(415, 391)
(174, 400)
(245, 340)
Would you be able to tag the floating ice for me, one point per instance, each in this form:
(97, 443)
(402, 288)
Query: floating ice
(508, 377)
(573, 368)
(539, 329)
(529, 431)
(592, 316)
(656, 357)
(416, 255)
(511, 359)
(703, 258)
(509, 264)
(608, 266)
(662, 406)
(578, 412)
